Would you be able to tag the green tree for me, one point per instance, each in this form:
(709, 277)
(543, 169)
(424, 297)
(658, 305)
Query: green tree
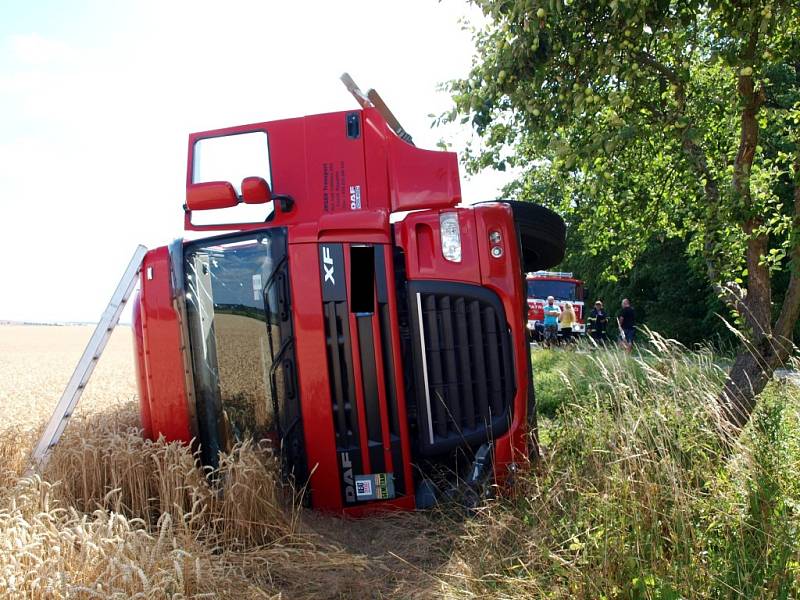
(667, 288)
(672, 116)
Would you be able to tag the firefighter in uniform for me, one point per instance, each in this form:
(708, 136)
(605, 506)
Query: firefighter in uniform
(597, 322)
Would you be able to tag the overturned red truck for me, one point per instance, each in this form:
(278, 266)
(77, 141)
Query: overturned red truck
(373, 353)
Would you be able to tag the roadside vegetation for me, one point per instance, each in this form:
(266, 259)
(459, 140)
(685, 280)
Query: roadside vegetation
(638, 496)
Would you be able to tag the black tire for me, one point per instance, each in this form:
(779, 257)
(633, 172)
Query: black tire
(542, 235)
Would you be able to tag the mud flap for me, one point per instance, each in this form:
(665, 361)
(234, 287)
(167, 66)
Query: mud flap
(534, 453)
(469, 492)
(481, 477)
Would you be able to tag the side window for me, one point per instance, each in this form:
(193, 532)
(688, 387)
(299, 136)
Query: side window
(232, 158)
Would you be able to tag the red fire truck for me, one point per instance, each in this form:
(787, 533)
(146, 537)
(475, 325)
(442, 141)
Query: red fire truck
(564, 288)
(374, 355)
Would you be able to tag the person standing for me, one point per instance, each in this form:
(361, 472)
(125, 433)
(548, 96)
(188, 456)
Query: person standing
(598, 322)
(567, 321)
(551, 314)
(627, 322)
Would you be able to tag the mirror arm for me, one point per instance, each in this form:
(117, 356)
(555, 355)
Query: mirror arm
(286, 202)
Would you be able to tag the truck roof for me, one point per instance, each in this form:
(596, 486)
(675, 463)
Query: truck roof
(553, 276)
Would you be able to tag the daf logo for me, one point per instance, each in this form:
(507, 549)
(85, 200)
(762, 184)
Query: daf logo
(347, 477)
(327, 263)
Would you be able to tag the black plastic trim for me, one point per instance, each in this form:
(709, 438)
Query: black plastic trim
(372, 409)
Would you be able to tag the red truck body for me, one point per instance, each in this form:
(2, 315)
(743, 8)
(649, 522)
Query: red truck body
(346, 340)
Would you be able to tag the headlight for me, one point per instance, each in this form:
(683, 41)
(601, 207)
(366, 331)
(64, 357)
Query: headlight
(450, 233)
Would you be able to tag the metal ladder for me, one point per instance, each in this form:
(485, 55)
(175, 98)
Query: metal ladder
(83, 371)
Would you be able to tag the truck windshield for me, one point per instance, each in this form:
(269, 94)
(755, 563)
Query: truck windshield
(237, 337)
(560, 290)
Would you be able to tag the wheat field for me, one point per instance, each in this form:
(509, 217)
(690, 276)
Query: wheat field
(115, 516)
(37, 362)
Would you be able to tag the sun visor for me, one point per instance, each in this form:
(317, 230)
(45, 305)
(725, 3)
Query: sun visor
(420, 179)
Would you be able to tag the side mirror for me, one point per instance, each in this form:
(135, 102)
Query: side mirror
(210, 195)
(255, 190)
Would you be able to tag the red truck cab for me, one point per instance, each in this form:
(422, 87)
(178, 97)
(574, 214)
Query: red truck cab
(373, 355)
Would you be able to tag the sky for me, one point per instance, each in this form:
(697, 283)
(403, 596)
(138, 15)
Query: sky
(97, 100)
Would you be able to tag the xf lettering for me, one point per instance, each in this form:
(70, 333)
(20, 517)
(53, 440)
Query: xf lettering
(327, 263)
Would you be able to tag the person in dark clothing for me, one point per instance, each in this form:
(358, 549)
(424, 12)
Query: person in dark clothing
(627, 322)
(598, 322)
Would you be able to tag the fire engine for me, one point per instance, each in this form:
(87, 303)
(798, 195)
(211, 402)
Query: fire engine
(564, 288)
(363, 324)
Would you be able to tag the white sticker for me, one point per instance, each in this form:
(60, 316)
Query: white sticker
(355, 197)
(257, 287)
(364, 487)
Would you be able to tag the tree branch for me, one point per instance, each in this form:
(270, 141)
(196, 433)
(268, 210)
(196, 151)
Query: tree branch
(731, 295)
(672, 77)
(648, 60)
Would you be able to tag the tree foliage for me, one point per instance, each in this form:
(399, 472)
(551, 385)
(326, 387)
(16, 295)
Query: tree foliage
(668, 289)
(654, 120)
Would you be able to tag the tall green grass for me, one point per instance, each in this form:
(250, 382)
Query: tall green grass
(637, 496)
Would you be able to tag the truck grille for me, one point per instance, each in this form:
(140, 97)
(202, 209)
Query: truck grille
(463, 365)
(337, 335)
(361, 365)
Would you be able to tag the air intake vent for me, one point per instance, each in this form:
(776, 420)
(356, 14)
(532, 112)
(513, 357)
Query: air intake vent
(337, 335)
(463, 365)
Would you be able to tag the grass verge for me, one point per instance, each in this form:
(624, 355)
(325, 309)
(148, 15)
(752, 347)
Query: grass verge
(637, 497)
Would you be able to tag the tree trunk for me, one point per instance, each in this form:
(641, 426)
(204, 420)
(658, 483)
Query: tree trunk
(749, 375)
(766, 348)
(746, 379)
(754, 366)
(756, 307)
